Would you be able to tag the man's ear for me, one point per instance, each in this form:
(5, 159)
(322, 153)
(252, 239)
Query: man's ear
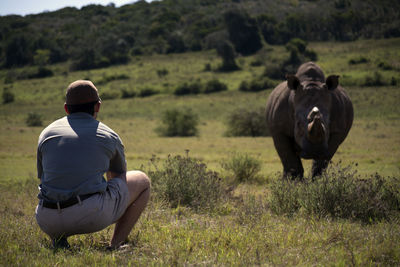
(97, 107)
(66, 108)
(293, 82)
(332, 82)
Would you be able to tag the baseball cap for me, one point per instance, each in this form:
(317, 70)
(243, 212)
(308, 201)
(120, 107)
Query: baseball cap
(81, 92)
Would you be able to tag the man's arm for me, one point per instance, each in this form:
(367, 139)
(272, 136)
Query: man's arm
(110, 175)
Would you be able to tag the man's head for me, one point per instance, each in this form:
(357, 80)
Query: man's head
(82, 96)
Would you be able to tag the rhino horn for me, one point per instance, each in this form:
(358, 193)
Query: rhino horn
(315, 129)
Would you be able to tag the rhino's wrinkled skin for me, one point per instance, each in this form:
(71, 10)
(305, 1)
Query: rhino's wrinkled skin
(309, 117)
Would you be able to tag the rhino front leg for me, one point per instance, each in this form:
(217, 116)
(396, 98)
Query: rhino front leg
(318, 166)
(292, 166)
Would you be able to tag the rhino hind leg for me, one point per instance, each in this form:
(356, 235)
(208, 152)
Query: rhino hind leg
(318, 166)
(292, 166)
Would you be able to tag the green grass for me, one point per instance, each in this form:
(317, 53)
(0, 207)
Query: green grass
(243, 230)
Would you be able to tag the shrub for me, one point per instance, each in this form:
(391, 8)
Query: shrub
(108, 95)
(186, 181)
(338, 193)
(188, 88)
(274, 71)
(207, 67)
(162, 72)
(8, 96)
(284, 197)
(34, 119)
(385, 66)
(147, 92)
(178, 123)
(42, 72)
(257, 85)
(375, 80)
(244, 167)
(226, 51)
(113, 77)
(127, 93)
(215, 85)
(243, 122)
(358, 60)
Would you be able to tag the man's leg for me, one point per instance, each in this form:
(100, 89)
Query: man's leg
(139, 190)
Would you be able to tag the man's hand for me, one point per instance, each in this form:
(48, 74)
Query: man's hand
(110, 175)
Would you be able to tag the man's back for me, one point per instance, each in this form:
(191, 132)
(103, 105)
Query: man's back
(73, 154)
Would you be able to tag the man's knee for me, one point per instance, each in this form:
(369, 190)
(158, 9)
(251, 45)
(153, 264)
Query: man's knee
(138, 180)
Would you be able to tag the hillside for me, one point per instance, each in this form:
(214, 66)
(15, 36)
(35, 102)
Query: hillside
(98, 36)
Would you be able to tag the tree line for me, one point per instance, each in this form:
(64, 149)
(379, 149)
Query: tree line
(99, 36)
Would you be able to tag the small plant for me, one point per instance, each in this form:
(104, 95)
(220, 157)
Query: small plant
(243, 122)
(284, 197)
(385, 66)
(274, 71)
(178, 123)
(257, 85)
(113, 77)
(188, 88)
(207, 67)
(244, 167)
(8, 96)
(358, 60)
(125, 93)
(214, 86)
(108, 95)
(147, 92)
(375, 80)
(162, 72)
(186, 181)
(338, 193)
(34, 119)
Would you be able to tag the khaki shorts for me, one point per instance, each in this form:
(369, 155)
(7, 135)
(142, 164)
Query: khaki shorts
(91, 215)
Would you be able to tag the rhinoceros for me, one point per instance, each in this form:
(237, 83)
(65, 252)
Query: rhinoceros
(309, 117)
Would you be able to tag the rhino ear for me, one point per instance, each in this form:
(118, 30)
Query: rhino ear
(292, 81)
(332, 82)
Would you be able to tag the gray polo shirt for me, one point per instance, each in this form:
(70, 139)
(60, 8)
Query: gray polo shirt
(73, 154)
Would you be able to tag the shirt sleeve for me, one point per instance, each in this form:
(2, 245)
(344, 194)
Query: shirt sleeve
(39, 164)
(118, 162)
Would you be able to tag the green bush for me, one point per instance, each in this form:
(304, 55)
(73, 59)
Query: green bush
(113, 77)
(375, 80)
(257, 85)
(385, 66)
(188, 88)
(162, 72)
(7, 96)
(214, 86)
(127, 93)
(178, 123)
(338, 193)
(243, 122)
(186, 181)
(34, 119)
(284, 197)
(358, 60)
(147, 92)
(41, 72)
(108, 95)
(274, 71)
(244, 167)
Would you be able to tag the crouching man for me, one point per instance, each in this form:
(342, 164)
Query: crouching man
(73, 154)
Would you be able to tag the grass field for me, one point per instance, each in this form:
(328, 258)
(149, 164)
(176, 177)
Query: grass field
(243, 231)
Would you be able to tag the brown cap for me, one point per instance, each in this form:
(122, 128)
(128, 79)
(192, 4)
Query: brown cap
(81, 92)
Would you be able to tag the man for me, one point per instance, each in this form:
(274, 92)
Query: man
(73, 154)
